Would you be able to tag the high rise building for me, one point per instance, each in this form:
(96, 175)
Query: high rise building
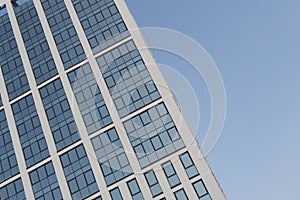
(84, 113)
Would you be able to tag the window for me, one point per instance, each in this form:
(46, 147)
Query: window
(59, 115)
(101, 22)
(116, 194)
(10, 61)
(171, 174)
(134, 189)
(180, 195)
(153, 135)
(44, 183)
(189, 165)
(64, 34)
(30, 131)
(78, 172)
(13, 190)
(153, 183)
(89, 98)
(8, 161)
(111, 156)
(35, 42)
(201, 190)
(127, 78)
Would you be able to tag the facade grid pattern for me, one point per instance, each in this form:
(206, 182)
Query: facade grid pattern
(60, 117)
(35, 42)
(10, 61)
(63, 31)
(89, 99)
(30, 131)
(127, 125)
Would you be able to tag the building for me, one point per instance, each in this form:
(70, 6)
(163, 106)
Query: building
(83, 115)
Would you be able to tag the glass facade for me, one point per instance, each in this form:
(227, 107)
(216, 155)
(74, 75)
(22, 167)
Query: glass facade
(44, 183)
(63, 32)
(78, 172)
(111, 156)
(13, 191)
(35, 42)
(8, 161)
(153, 135)
(30, 131)
(127, 78)
(126, 138)
(101, 22)
(60, 117)
(10, 61)
(89, 99)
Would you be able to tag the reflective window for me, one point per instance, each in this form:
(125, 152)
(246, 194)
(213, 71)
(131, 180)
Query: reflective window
(115, 194)
(35, 42)
(153, 183)
(89, 98)
(127, 78)
(59, 115)
(78, 172)
(153, 135)
(101, 22)
(201, 190)
(10, 61)
(8, 162)
(171, 174)
(13, 191)
(63, 31)
(44, 183)
(30, 131)
(134, 189)
(180, 195)
(111, 156)
(189, 165)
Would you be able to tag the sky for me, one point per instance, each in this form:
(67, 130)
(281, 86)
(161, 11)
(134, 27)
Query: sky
(255, 45)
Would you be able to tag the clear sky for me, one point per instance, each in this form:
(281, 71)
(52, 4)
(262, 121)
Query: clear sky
(256, 46)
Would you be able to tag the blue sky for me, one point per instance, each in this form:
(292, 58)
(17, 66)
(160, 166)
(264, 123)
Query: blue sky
(255, 45)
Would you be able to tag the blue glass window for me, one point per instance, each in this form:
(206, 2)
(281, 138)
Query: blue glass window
(63, 31)
(153, 183)
(115, 194)
(35, 42)
(59, 115)
(89, 98)
(111, 156)
(8, 162)
(153, 135)
(10, 61)
(189, 165)
(44, 183)
(171, 174)
(13, 191)
(78, 172)
(180, 195)
(101, 22)
(127, 78)
(30, 131)
(135, 190)
(201, 190)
